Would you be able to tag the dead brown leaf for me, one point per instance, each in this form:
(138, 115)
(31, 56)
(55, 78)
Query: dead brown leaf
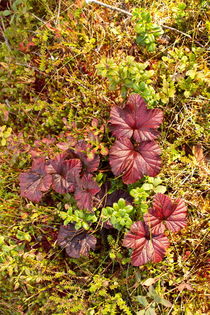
(201, 159)
(149, 282)
(183, 286)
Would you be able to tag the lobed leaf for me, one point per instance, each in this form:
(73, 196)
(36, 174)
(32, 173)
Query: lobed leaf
(76, 242)
(86, 189)
(134, 162)
(135, 120)
(36, 181)
(64, 173)
(165, 211)
(147, 246)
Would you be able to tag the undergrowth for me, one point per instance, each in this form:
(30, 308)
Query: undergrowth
(64, 65)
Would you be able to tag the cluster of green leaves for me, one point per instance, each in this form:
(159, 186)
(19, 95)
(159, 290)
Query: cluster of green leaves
(140, 199)
(128, 74)
(153, 184)
(147, 31)
(81, 218)
(181, 72)
(120, 214)
(5, 132)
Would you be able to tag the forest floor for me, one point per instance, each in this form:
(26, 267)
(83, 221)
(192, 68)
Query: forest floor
(64, 65)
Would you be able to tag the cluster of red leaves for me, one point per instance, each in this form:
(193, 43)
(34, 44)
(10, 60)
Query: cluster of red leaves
(135, 153)
(69, 172)
(146, 237)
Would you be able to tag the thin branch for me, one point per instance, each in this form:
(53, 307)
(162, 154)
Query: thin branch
(109, 6)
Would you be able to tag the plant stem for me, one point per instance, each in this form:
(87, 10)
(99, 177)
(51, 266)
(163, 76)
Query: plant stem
(109, 6)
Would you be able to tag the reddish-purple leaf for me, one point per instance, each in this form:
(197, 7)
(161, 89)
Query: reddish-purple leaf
(64, 173)
(36, 181)
(91, 163)
(136, 120)
(147, 246)
(76, 242)
(86, 189)
(164, 210)
(134, 162)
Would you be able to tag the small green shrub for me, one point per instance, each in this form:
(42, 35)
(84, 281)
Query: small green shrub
(147, 31)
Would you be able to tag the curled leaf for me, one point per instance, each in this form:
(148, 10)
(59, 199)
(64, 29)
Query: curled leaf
(91, 163)
(64, 173)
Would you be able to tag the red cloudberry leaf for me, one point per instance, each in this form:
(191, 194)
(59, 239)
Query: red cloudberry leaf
(76, 242)
(64, 173)
(86, 189)
(164, 210)
(136, 120)
(134, 162)
(36, 181)
(147, 246)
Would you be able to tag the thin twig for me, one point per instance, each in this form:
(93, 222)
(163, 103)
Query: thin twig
(174, 29)
(109, 6)
(5, 38)
(59, 11)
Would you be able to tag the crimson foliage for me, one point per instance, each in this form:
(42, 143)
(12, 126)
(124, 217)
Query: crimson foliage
(164, 210)
(135, 120)
(36, 181)
(134, 153)
(146, 237)
(147, 246)
(66, 173)
(76, 242)
(91, 164)
(86, 189)
(134, 161)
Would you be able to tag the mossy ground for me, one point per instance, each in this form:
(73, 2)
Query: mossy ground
(51, 89)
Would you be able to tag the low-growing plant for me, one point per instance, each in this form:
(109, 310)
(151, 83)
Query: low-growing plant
(128, 74)
(50, 94)
(140, 200)
(147, 31)
(150, 300)
(5, 132)
(146, 237)
(119, 214)
(133, 155)
(81, 218)
(153, 184)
